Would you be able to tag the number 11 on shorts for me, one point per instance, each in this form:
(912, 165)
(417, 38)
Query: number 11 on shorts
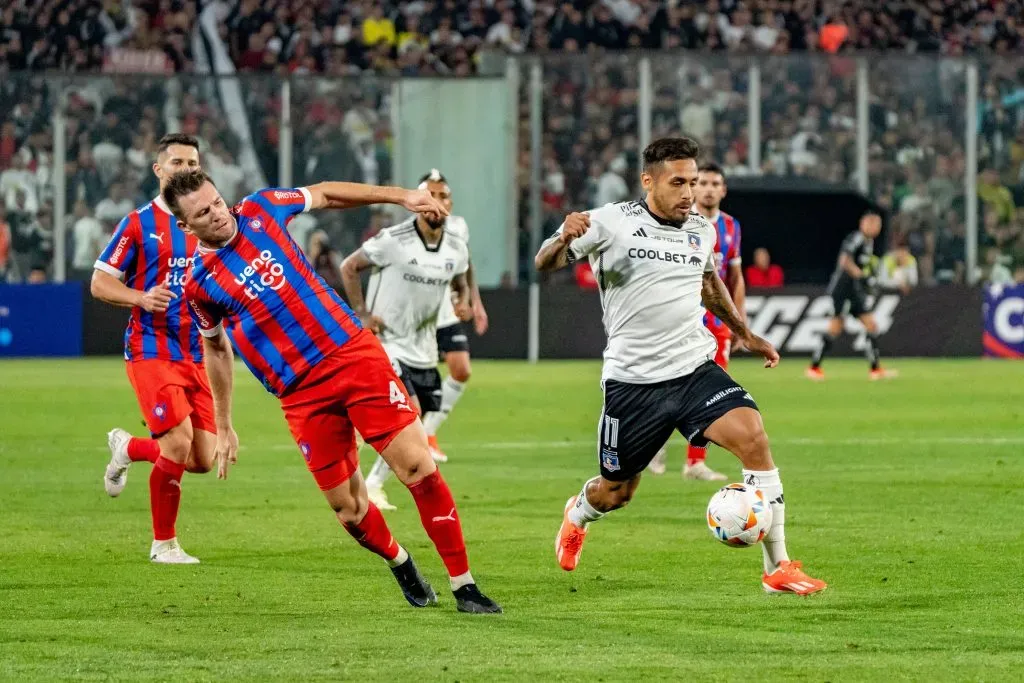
(610, 437)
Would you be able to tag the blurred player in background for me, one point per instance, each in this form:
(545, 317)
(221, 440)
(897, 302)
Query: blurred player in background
(849, 289)
(251, 286)
(417, 265)
(711, 189)
(655, 262)
(453, 334)
(144, 268)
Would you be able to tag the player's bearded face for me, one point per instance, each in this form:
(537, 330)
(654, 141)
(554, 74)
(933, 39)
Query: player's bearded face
(672, 188)
(177, 159)
(443, 194)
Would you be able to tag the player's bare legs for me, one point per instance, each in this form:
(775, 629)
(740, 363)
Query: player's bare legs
(380, 471)
(459, 371)
(165, 493)
(408, 456)
(201, 456)
(362, 519)
(835, 328)
(741, 431)
(598, 497)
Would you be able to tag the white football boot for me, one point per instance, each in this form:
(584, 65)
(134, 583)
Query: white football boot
(169, 552)
(116, 475)
(702, 472)
(657, 464)
(379, 498)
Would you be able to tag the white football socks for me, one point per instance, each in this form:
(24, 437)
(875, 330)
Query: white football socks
(774, 544)
(461, 580)
(451, 392)
(582, 513)
(379, 474)
(400, 558)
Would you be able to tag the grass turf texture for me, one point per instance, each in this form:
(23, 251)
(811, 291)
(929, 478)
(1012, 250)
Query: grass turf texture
(904, 495)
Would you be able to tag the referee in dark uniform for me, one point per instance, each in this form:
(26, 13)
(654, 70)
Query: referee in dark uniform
(849, 291)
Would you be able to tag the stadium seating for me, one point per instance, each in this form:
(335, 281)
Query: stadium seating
(808, 104)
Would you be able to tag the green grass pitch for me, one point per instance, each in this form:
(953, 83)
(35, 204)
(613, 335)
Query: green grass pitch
(906, 496)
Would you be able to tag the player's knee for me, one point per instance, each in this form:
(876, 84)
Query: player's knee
(415, 469)
(460, 372)
(611, 496)
(196, 465)
(755, 452)
(176, 445)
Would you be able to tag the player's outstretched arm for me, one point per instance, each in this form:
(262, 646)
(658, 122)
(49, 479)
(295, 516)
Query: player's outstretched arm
(220, 366)
(338, 195)
(554, 253)
(716, 299)
(355, 263)
(109, 289)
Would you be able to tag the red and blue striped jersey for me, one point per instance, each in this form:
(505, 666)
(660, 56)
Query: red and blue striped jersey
(148, 248)
(281, 316)
(727, 252)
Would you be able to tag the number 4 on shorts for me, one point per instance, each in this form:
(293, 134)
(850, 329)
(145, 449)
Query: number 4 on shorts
(396, 394)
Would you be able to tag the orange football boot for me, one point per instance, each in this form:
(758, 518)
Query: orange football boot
(569, 542)
(790, 578)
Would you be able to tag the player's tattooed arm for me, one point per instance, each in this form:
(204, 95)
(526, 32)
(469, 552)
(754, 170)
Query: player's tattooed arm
(554, 253)
(355, 263)
(460, 287)
(716, 299)
(220, 366)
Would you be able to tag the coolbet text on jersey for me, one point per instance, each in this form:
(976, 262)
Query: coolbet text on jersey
(410, 288)
(638, 257)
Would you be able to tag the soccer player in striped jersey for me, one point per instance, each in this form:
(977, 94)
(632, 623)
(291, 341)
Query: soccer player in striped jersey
(143, 268)
(711, 189)
(250, 286)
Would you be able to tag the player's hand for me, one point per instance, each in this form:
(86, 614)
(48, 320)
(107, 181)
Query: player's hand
(372, 322)
(763, 347)
(575, 225)
(421, 201)
(226, 451)
(157, 299)
(480, 321)
(463, 312)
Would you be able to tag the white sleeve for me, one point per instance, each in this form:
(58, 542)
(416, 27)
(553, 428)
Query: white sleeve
(595, 239)
(307, 197)
(381, 248)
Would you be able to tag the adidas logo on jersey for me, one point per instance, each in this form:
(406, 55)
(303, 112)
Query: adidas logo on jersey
(413, 262)
(640, 233)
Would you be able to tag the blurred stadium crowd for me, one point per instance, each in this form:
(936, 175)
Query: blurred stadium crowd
(342, 128)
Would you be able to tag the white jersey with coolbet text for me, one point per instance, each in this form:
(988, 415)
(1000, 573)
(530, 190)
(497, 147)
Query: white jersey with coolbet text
(407, 285)
(650, 274)
(455, 225)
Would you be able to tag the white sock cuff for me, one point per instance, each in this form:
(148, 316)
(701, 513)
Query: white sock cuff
(454, 384)
(589, 510)
(762, 478)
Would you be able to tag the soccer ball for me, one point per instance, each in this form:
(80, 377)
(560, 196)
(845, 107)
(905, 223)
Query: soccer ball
(739, 516)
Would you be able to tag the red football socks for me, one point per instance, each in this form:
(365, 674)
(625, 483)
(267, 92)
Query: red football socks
(165, 496)
(373, 534)
(441, 520)
(143, 449)
(696, 454)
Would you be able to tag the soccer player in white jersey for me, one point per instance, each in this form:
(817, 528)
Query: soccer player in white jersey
(416, 265)
(654, 262)
(453, 336)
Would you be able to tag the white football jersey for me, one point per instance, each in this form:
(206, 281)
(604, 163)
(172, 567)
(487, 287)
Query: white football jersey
(456, 225)
(408, 282)
(650, 274)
